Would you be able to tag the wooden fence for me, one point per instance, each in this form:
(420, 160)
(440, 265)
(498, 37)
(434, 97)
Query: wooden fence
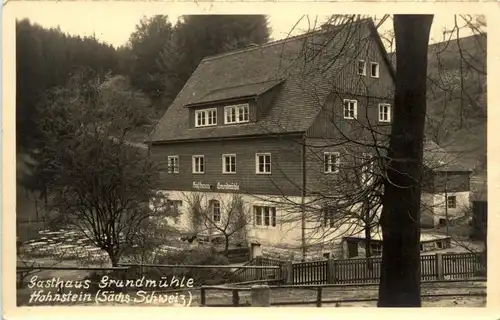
(362, 270)
(324, 296)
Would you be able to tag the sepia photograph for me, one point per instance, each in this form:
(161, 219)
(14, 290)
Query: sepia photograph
(172, 159)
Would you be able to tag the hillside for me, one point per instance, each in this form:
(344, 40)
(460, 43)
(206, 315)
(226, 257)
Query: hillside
(456, 104)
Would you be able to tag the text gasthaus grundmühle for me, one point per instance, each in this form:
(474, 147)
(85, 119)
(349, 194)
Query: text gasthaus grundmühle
(73, 291)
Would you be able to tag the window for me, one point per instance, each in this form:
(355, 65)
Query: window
(331, 162)
(173, 164)
(350, 109)
(215, 207)
(451, 202)
(264, 216)
(328, 216)
(384, 112)
(362, 67)
(442, 222)
(174, 204)
(198, 164)
(439, 245)
(374, 70)
(205, 118)
(236, 114)
(376, 249)
(263, 163)
(228, 163)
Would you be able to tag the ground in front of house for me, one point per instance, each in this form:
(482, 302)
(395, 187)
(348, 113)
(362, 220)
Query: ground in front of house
(304, 295)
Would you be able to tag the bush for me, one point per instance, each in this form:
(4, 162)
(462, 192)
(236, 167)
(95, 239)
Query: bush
(197, 256)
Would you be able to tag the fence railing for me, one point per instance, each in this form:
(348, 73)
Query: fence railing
(246, 273)
(367, 270)
(262, 295)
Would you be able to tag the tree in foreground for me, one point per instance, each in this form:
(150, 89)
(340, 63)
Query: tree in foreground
(400, 219)
(219, 216)
(99, 183)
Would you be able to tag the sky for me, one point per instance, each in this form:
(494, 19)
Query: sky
(113, 22)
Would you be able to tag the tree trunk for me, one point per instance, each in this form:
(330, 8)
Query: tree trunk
(368, 235)
(400, 219)
(114, 258)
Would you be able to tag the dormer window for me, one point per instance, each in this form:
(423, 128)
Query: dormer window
(237, 114)
(205, 118)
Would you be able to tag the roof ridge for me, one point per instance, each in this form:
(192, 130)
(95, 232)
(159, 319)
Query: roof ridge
(274, 42)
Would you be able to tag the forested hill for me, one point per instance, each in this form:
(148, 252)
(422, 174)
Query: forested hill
(47, 58)
(456, 98)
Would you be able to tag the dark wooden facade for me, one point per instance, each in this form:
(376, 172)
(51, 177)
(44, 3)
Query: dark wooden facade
(286, 159)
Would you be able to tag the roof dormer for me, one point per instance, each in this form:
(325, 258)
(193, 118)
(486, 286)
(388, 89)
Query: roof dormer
(231, 105)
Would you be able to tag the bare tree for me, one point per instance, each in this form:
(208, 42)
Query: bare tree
(100, 184)
(218, 215)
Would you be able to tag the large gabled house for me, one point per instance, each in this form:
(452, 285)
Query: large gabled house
(275, 125)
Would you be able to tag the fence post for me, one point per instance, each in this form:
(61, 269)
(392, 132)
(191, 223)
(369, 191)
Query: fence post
(258, 271)
(319, 296)
(439, 266)
(236, 298)
(202, 297)
(261, 296)
(289, 272)
(331, 271)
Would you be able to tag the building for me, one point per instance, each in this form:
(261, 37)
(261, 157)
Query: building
(446, 187)
(279, 131)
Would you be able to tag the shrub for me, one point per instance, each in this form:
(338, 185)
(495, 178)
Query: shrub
(197, 256)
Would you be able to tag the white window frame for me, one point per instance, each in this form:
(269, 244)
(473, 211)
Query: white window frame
(363, 73)
(225, 157)
(238, 108)
(213, 206)
(327, 162)
(454, 202)
(206, 113)
(273, 217)
(381, 113)
(376, 249)
(377, 73)
(175, 167)
(196, 167)
(257, 163)
(347, 103)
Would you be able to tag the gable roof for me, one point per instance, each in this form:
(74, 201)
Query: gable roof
(251, 72)
(236, 92)
(439, 160)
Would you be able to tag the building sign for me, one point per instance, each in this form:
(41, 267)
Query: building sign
(228, 186)
(200, 185)
(219, 186)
